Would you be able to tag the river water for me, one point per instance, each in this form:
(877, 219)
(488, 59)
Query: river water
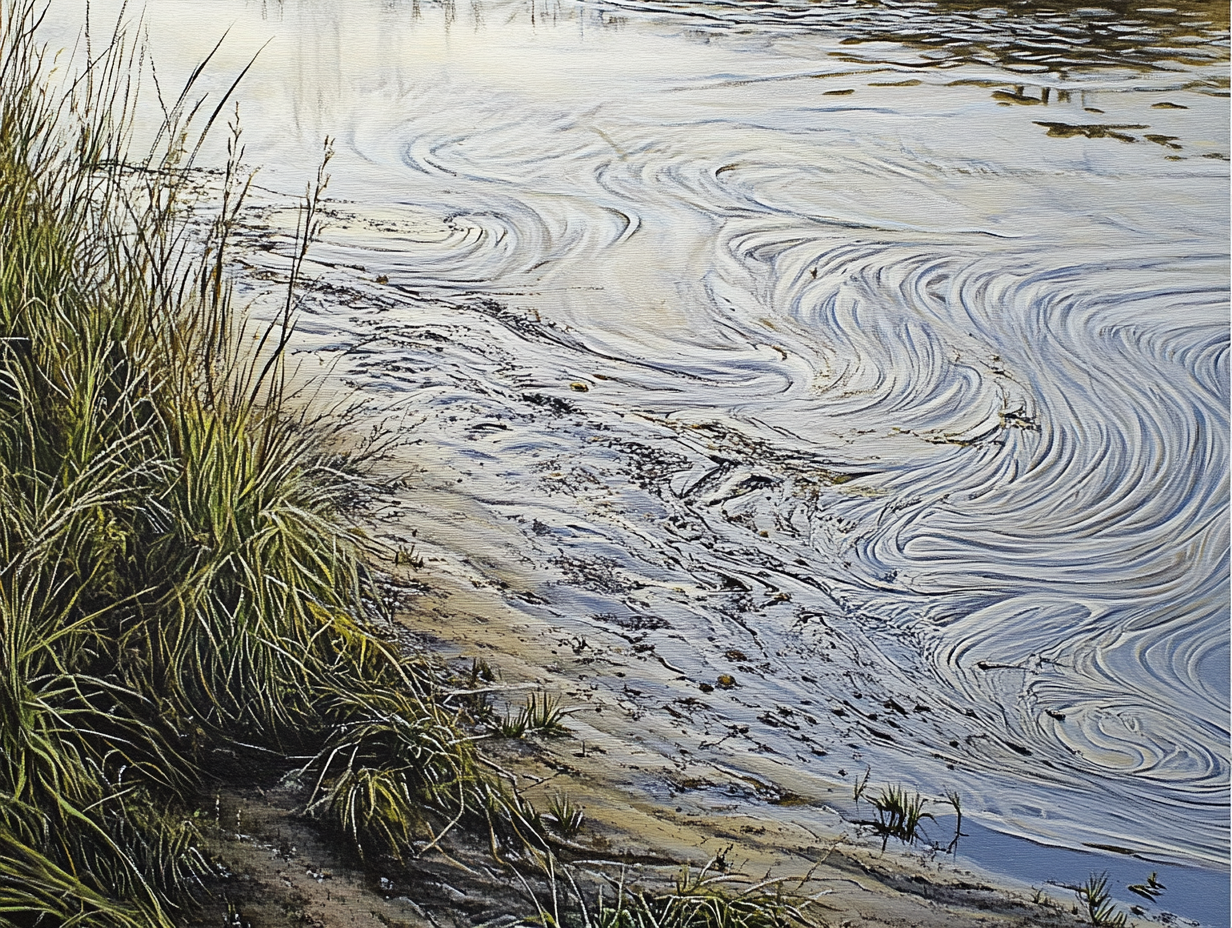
(873, 353)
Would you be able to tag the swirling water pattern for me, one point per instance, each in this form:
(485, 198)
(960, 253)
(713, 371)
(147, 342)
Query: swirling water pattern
(907, 377)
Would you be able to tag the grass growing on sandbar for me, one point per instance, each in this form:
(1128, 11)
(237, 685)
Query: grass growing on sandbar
(177, 592)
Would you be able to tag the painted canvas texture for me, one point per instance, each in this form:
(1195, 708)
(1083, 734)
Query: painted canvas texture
(814, 399)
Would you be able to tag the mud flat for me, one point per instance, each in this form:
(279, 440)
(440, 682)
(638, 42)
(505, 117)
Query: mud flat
(650, 807)
(659, 787)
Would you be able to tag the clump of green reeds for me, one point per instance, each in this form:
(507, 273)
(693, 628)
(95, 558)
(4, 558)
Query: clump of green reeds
(899, 814)
(705, 898)
(541, 714)
(177, 591)
(566, 817)
(702, 900)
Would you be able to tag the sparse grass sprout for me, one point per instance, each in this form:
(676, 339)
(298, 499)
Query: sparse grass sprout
(1095, 897)
(899, 814)
(540, 715)
(566, 817)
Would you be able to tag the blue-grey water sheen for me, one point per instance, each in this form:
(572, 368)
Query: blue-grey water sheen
(886, 352)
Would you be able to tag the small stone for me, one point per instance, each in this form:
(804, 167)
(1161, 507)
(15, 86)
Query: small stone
(705, 687)
(726, 680)
(578, 387)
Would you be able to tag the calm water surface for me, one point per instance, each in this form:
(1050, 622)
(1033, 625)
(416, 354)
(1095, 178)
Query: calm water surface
(875, 353)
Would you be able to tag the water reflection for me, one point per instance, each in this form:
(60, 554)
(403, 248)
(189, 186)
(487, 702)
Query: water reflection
(1026, 36)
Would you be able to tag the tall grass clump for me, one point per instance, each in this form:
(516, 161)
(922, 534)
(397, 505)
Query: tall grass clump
(177, 592)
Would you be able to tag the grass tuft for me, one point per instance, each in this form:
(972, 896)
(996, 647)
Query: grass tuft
(706, 898)
(566, 817)
(541, 715)
(899, 814)
(1094, 896)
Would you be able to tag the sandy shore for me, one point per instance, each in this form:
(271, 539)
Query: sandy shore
(648, 812)
(649, 807)
(649, 804)
(655, 796)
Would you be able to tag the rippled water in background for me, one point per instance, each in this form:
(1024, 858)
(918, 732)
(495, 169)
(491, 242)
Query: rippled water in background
(876, 353)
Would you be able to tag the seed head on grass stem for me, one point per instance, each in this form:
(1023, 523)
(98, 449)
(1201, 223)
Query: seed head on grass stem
(860, 785)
